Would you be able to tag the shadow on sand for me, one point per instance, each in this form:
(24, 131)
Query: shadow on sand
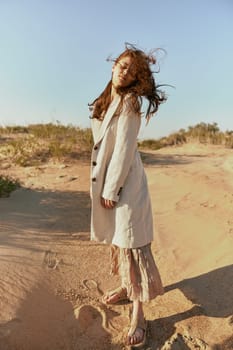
(46, 321)
(211, 294)
(30, 218)
(226, 345)
(166, 160)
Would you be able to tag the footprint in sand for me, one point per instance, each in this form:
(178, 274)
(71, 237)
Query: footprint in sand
(184, 342)
(91, 328)
(50, 260)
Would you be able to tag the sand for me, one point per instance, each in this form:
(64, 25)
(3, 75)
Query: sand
(52, 277)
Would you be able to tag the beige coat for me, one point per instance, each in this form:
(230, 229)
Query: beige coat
(117, 174)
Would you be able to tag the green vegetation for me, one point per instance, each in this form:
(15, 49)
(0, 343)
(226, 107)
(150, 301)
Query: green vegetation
(39, 143)
(7, 185)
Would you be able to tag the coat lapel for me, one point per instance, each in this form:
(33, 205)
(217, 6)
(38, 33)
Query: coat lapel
(110, 112)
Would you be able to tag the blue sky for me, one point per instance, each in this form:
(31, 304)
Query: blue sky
(53, 58)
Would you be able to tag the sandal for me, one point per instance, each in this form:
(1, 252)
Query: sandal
(119, 294)
(139, 324)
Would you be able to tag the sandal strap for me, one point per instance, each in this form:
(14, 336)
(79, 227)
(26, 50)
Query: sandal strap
(141, 323)
(121, 291)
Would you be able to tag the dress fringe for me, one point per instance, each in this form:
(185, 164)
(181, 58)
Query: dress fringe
(138, 271)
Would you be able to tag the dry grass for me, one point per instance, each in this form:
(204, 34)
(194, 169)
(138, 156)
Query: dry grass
(203, 133)
(39, 143)
(35, 144)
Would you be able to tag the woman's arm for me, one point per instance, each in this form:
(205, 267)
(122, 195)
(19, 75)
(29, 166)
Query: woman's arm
(122, 157)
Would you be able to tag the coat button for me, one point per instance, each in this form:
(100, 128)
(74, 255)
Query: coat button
(94, 179)
(96, 147)
(94, 163)
(119, 191)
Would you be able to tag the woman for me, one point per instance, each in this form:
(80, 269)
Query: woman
(121, 208)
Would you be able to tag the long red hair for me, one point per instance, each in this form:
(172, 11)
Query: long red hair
(143, 86)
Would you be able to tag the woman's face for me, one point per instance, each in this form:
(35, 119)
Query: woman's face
(123, 72)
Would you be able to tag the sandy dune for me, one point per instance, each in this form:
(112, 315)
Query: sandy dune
(52, 277)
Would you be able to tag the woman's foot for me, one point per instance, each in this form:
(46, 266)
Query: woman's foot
(115, 296)
(137, 333)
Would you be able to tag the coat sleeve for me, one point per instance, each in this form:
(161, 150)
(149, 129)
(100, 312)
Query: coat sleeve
(123, 154)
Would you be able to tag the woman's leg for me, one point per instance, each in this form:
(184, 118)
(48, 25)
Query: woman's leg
(142, 280)
(119, 294)
(137, 330)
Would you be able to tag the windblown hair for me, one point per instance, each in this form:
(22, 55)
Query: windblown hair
(143, 86)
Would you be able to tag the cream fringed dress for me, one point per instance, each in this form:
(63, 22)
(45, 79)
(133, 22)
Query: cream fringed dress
(117, 174)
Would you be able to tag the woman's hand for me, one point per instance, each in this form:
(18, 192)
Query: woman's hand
(107, 203)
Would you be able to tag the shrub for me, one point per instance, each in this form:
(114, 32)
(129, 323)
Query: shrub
(7, 185)
(174, 139)
(23, 151)
(151, 144)
(229, 139)
(206, 133)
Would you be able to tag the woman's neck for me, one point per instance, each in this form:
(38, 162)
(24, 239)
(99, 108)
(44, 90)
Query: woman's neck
(113, 93)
